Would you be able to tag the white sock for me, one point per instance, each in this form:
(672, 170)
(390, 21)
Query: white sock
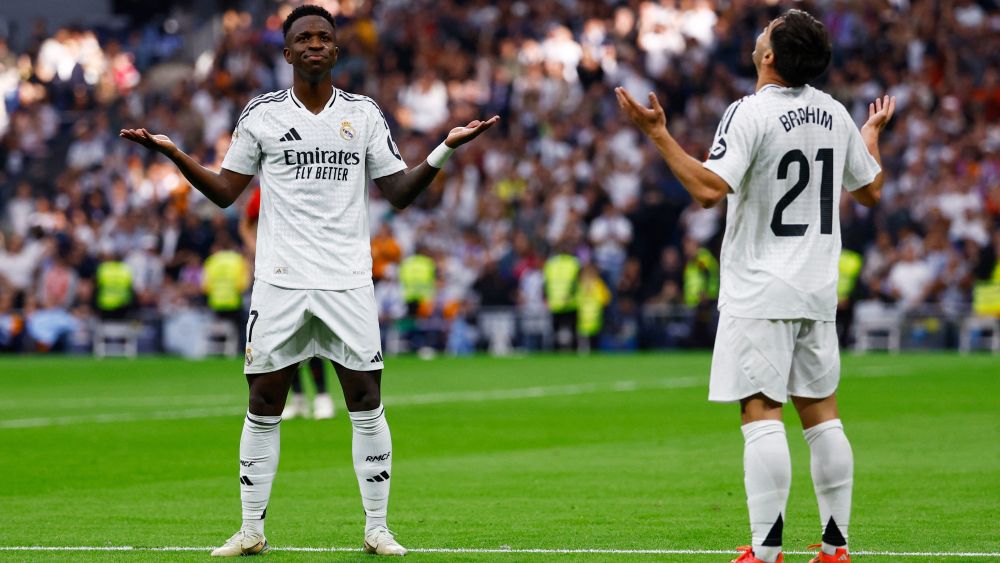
(372, 449)
(767, 471)
(260, 445)
(832, 468)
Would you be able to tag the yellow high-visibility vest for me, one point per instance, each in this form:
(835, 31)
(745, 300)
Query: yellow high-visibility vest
(560, 273)
(701, 278)
(594, 297)
(417, 275)
(850, 268)
(114, 285)
(225, 279)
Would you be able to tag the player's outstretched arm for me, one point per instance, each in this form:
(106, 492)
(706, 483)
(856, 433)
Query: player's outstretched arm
(879, 113)
(222, 188)
(403, 187)
(705, 186)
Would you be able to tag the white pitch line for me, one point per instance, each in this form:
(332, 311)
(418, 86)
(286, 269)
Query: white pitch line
(411, 400)
(473, 550)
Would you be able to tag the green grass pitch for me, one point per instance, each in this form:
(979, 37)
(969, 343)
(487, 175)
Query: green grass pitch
(549, 452)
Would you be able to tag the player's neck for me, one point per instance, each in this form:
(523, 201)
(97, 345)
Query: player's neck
(767, 76)
(313, 94)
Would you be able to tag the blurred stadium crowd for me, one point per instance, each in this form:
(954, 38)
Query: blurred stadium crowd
(562, 213)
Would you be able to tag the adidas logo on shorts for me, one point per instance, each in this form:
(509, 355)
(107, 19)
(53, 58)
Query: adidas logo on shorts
(377, 358)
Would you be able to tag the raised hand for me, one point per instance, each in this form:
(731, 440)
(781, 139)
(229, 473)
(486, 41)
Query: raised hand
(158, 143)
(461, 135)
(649, 120)
(879, 113)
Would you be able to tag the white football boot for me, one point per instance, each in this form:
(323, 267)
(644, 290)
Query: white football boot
(243, 543)
(380, 541)
(323, 407)
(295, 407)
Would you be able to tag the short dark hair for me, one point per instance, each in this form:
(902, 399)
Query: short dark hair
(303, 11)
(801, 47)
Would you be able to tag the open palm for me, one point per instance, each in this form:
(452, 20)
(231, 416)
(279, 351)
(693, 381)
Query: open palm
(159, 143)
(649, 119)
(879, 113)
(461, 135)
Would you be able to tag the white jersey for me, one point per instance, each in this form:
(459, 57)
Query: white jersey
(785, 153)
(314, 172)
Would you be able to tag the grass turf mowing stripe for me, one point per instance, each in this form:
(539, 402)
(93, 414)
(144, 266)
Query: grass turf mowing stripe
(208, 411)
(470, 550)
(422, 399)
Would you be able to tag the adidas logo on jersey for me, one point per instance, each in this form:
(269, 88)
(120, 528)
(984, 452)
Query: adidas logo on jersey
(377, 358)
(292, 135)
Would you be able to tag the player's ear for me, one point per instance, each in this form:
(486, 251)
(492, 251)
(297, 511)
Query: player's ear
(288, 55)
(768, 57)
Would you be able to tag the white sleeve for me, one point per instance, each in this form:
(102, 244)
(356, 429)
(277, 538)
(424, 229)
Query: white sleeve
(736, 141)
(243, 156)
(860, 167)
(382, 156)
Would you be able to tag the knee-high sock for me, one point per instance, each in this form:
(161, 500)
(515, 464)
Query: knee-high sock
(260, 446)
(372, 450)
(832, 464)
(767, 471)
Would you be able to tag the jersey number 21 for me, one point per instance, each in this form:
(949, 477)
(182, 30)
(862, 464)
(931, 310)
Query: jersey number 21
(825, 158)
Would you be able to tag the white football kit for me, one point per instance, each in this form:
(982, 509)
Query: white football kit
(785, 153)
(313, 264)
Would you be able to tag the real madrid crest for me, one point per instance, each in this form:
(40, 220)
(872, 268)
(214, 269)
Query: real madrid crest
(249, 355)
(347, 131)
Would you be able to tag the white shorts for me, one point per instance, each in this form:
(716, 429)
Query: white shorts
(778, 358)
(287, 326)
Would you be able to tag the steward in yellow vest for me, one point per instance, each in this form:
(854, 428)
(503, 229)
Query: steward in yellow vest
(225, 278)
(592, 298)
(701, 278)
(114, 289)
(560, 273)
(418, 278)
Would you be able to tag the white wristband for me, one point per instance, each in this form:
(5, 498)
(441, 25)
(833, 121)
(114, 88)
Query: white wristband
(439, 155)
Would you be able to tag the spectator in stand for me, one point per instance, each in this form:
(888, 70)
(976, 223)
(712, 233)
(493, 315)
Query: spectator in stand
(385, 252)
(494, 288)
(50, 326)
(610, 235)
(546, 179)
(58, 282)
(20, 260)
(424, 104)
(146, 265)
(11, 323)
(668, 279)
(911, 279)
